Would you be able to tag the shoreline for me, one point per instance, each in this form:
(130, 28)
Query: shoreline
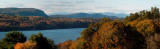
(43, 29)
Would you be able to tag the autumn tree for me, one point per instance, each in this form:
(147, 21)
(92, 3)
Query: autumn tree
(65, 44)
(105, 19)
(144, 14)
(117, 35)
(80, 43)
(145, 27)
(26, 45)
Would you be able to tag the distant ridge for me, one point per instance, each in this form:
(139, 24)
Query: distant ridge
(110, 14)
(82, 15)
(22, 12)
(120, 15)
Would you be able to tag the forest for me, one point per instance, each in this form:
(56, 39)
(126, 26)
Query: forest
(140, 30)
(17, 23)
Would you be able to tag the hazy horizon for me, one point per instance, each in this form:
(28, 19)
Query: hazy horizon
(76, 6)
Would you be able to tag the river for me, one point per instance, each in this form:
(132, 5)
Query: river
(58, 35)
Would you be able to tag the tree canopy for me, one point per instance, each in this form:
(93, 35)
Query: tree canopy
(11, 39)
(42, 42)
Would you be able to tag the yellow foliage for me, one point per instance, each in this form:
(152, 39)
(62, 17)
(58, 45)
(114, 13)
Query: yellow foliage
(106, 37)
(145, 27)
(133, 23)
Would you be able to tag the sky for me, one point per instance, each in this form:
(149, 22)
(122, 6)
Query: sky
(62, 6)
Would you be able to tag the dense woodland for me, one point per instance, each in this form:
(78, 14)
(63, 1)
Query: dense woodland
(140, 30)
(10, 22)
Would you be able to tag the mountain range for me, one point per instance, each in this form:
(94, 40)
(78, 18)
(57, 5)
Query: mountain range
(89, 14)
(121, 15)
(37, 12)
(82, 15)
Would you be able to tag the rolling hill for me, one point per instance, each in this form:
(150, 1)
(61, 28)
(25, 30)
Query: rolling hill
(22, 12)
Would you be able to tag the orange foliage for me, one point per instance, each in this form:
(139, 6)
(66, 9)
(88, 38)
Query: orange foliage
(26, 45)
(107, 34)
(19, 46)
(115, 35)
(65, 45)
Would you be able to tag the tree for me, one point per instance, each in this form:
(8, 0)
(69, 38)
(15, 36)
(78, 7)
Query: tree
(144, 14)
(42, 42)
(116, 35)
(146, 27)
(12, 38)
(155, 12)
(103, 20)
(65, 45)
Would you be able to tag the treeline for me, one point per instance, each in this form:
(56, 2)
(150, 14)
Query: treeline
(16, 40)
(154, 14)
(10, 22)
(140, 30)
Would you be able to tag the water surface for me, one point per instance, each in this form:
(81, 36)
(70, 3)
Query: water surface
(58, 35)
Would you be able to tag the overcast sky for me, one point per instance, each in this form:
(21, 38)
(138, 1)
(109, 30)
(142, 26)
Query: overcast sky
(57, 6)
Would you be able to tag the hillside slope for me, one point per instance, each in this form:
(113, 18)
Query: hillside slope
(22, 11)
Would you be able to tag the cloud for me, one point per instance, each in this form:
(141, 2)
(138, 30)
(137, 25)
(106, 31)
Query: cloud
(84, 1)
(4, 5)
(65, 2)
(104, 7)
(110, 9)
(54, 6)
(49, 6)
(62, 4)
